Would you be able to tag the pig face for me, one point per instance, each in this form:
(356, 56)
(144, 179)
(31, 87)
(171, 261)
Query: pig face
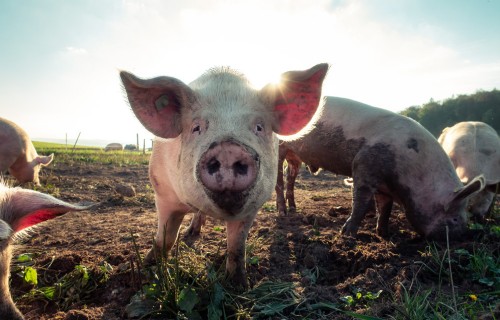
(28, 171)
(227, 133)
(454, 214)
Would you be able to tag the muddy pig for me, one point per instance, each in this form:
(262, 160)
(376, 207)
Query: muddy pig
(21, 209)
(217, 148)
(391, 158)
(474, 149)
(18, 155)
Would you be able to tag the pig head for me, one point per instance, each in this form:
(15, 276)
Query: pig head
(20, 209)
(18, 155)
(217, 149)
(474, 149)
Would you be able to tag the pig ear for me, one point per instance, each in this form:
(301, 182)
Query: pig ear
(23, 208)
(475, 185)
(157, 102)
(45, 160)
(296, 98)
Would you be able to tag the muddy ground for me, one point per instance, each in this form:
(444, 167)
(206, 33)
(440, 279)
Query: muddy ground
(290, 249)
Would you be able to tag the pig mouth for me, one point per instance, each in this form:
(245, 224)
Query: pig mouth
(231, 202)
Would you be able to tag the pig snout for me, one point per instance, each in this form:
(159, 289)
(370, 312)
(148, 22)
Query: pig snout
(228, 170)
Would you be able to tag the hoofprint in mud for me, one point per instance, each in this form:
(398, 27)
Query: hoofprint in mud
(18, 155)
(474, 149)
(391, 158)
(21, 209)
(217, 149)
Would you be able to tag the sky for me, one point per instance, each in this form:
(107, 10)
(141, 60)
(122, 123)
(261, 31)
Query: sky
(59, 60)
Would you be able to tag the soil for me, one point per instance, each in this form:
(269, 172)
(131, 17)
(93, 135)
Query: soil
(291, 246)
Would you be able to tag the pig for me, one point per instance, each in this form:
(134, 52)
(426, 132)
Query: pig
(474, 149)
(21, 209)
(390, 158)
(216, 147)
(18, 155)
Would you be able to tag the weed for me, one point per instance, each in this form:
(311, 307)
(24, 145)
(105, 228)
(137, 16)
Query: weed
(76, 286)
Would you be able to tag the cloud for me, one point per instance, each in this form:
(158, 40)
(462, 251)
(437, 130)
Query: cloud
(373, 59)
(76, 51)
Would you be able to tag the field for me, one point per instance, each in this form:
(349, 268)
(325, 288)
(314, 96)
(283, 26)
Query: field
(88, 265)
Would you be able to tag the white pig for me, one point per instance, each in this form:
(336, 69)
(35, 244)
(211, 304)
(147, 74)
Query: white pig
(474, 148)
(21, 209)
(390, 157)
(18, 155)
(217, 149)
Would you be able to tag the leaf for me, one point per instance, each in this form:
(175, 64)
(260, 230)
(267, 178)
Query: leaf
(48, 292)
(254, 260)
(30, 276)
(486, 281)
(188, 298)
(348, 299)
(372, 296)
(25, 257)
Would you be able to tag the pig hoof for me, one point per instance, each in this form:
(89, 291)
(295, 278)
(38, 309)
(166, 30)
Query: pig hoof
(349, 230)
(239, 283)
(192, 232)
(383, 233)
(150, 258)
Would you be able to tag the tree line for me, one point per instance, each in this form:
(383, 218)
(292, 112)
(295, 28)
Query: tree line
(435, 116)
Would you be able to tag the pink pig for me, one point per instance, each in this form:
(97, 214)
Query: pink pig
(18, 155)
(217, 148)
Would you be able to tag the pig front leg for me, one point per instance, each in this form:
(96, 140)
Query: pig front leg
(170, 216)
(279, 189)
(362, 197)
(292, 171)
(237, 233)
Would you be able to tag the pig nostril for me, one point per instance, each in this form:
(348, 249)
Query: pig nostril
(240, 168)
(213, 166)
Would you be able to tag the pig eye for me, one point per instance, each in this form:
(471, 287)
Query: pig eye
(258, 128)
(196, 128)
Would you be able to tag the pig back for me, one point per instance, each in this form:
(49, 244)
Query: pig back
(474, 149)
(13, 142)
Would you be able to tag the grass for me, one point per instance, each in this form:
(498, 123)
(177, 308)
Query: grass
(475, 271)
(94, 155)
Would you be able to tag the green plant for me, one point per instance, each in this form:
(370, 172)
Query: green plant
(75, 286)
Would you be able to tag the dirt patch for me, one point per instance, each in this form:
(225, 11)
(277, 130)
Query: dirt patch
(302, 247)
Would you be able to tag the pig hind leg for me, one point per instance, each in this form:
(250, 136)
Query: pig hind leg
(384, 207)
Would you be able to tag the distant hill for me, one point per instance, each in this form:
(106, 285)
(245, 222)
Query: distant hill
(435, 116)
